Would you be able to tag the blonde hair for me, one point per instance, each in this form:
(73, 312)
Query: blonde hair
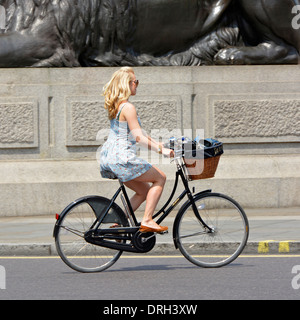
(117, 90)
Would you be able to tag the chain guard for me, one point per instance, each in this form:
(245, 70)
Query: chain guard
(139, 242)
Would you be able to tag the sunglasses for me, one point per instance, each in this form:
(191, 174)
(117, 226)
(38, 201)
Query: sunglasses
(136, 82)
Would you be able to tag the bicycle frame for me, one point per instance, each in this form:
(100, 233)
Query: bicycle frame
(164, 211)
(114, 228)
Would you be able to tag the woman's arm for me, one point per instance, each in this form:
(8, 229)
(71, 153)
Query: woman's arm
(155, 142)
(130, 115)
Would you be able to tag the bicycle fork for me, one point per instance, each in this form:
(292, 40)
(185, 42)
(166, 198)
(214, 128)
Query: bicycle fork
(196, 213)
(192, 201)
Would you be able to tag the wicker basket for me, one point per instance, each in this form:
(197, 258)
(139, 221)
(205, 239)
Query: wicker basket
(201, 168)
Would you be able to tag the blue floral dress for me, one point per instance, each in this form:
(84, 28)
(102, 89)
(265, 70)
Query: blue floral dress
(118, 159)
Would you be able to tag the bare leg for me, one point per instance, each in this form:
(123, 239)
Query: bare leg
(158, 179)
(141, 190)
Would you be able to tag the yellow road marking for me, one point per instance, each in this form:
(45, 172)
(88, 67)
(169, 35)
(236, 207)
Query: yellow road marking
(158, 256)
(263, 246)
(283, 246)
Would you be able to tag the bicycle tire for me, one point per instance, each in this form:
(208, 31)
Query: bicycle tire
(230, 230)
(74, 221)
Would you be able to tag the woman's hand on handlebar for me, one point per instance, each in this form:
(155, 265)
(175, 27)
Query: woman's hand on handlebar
(169, 153)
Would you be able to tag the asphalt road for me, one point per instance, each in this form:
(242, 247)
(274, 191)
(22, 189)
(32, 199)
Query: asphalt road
(152, 278)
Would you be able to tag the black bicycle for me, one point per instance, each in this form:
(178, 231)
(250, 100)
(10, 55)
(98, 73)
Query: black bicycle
(210, 229)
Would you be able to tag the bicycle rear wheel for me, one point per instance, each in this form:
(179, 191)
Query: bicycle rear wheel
(69, 232)
(226, 241)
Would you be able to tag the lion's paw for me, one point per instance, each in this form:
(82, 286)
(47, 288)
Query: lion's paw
(230, 56)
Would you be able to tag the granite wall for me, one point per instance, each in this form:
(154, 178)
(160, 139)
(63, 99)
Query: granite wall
(50, 119)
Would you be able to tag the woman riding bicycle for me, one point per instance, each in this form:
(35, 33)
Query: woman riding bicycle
(118, 154)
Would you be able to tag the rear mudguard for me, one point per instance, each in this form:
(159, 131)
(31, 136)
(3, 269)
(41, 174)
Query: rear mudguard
(183, 208)
(99, 205)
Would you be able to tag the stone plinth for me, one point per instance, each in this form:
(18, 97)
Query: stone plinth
(50, 118)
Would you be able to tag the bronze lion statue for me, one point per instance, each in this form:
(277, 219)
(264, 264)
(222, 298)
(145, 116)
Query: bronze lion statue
(72, 33)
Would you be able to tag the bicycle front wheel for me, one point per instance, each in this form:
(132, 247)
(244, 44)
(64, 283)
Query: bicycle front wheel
(69, 232)
(226, 239)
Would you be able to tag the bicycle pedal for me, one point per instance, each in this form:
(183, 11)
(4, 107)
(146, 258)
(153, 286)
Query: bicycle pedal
(164, 232)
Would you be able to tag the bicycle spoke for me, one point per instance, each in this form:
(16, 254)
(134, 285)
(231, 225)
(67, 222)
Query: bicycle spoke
(192, 235)
(71, 244)
(228, 237)
(78, 233)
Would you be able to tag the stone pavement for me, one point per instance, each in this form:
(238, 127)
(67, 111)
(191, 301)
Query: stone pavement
(274, 231)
